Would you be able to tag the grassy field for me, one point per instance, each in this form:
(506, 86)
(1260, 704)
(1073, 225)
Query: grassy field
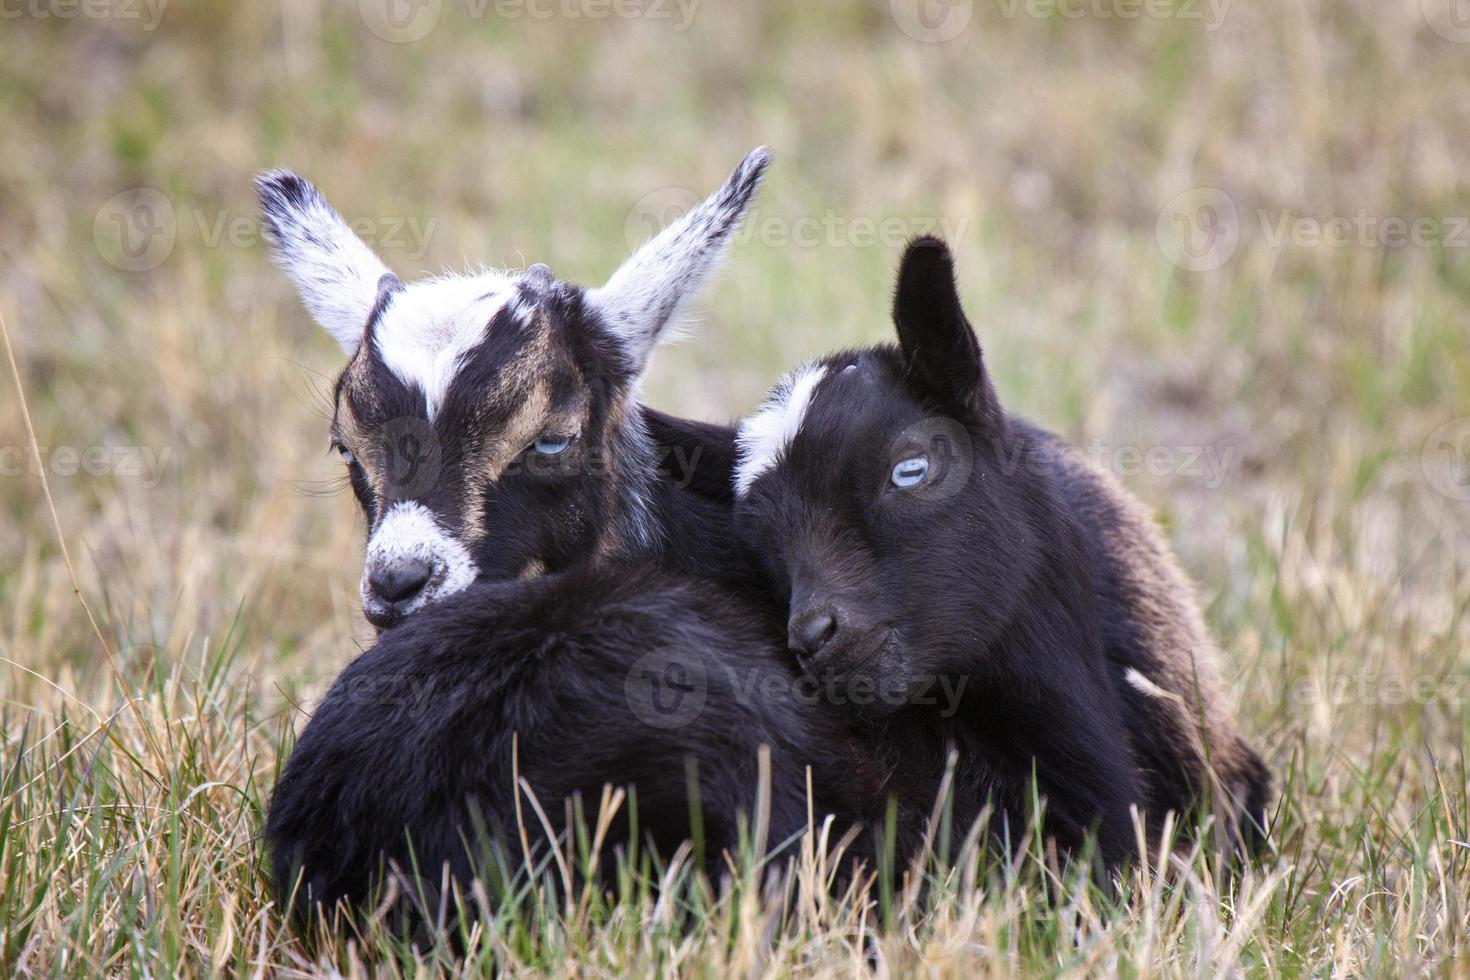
(1221, 246)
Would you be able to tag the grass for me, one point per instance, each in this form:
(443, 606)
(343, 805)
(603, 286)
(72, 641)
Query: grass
(179, 408)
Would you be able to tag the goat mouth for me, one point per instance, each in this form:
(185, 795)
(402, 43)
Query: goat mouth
(382, 616)
(855, 654)
(385, 614)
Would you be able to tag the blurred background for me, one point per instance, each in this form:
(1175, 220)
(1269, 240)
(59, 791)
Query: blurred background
(1223, 246)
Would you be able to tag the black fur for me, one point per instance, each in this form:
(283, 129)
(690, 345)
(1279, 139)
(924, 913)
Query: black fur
(412, 747)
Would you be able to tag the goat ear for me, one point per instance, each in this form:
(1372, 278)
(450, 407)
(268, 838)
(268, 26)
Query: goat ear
(337, 275)
(936, 339)
(642, 299)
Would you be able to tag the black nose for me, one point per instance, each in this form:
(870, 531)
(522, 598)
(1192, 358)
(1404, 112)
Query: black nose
(400, 581)
(810, 629)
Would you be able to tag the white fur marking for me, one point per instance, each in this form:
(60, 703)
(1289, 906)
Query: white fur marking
(1143, 685)
(764, 436)
(408, 532)
(427, 328)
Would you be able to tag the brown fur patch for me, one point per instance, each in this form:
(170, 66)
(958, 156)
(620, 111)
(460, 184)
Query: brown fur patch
(608, 535)
(521, 397)
(1184, 662)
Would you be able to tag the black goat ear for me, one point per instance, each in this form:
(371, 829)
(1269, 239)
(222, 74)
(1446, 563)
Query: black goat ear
(936, 339)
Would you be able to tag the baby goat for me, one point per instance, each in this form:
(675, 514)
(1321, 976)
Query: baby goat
(918, 530)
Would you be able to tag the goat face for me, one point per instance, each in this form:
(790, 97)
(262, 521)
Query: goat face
(878, 490)
(489, 423)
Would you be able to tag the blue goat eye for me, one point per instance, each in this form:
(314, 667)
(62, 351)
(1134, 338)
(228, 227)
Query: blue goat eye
(910, 472)
(552, 445)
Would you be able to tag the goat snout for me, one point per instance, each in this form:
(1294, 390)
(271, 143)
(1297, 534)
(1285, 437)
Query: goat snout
(401, 581)
(411, 561)
(392, 590)
(810, 629)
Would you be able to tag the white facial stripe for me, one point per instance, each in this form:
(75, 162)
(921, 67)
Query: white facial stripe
(409, 532)
(764, 436)
(427, 328)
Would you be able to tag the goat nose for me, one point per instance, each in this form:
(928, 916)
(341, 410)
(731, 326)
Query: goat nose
(400, 580)
(809, 631)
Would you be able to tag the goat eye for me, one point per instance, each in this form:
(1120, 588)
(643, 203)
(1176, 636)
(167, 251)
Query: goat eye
(549, 445)
(910, 472)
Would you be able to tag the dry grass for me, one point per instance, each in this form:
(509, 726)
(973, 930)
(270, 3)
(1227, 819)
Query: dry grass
(1332, 546)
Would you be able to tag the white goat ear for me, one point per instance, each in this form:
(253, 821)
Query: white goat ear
(336, 274)
(642, 299)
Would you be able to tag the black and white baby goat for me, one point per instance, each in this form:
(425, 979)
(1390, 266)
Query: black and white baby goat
(493, 436)
(918, 530)
(489, 423)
